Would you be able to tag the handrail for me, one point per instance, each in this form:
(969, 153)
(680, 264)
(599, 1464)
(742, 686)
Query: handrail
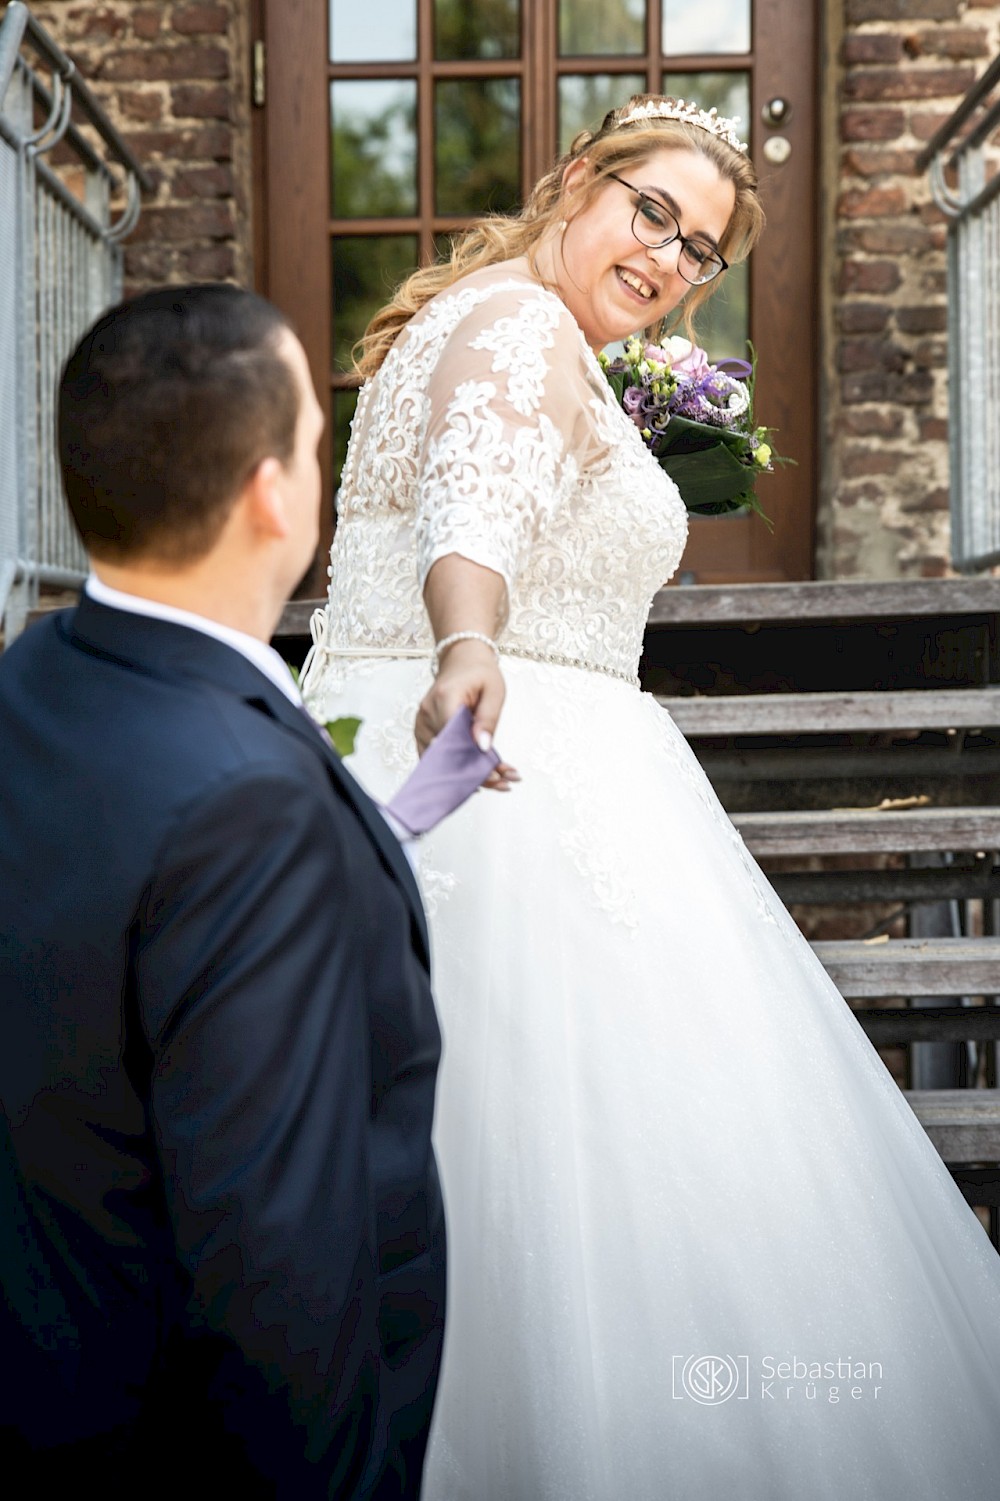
(62, 223)
(12, 31)
(73, 135)
(22, 24)
(958, 117)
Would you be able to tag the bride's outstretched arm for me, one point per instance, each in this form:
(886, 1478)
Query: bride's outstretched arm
(464, 596)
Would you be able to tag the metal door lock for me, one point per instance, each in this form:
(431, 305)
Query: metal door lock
(776, 112)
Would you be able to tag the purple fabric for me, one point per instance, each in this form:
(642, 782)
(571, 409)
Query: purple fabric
(450, 770)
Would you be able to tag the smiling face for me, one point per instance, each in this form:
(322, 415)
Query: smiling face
(612, 284)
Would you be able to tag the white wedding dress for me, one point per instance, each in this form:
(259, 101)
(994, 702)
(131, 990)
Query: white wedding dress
(672, 1162)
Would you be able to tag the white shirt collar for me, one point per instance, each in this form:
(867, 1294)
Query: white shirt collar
(263, 657)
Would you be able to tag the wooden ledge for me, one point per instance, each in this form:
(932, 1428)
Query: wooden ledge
(829, 713)
(863, 831)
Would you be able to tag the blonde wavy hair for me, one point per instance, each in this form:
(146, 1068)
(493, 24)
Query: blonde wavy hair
(613, 148)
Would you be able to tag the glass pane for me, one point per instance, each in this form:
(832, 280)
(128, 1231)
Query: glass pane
(366, 270)
(691, 26)
(354, 38)
(602, 27)
(374, 157)
(723, 324)
(477, 145)
(729, 92)
(477, 28)
(584, 100)
(344, 403)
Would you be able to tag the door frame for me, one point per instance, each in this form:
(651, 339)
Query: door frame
(291, 236)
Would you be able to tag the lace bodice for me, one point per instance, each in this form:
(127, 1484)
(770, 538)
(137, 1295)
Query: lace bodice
(491, 431)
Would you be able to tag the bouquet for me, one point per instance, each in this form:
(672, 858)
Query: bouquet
(696, 418)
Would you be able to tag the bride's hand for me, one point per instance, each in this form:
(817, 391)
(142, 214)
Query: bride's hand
(469, 675)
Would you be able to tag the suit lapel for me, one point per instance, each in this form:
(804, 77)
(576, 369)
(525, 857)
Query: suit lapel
(176, 651)
(301, 724)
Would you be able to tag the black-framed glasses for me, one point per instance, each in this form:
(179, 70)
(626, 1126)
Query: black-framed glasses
(655, 226)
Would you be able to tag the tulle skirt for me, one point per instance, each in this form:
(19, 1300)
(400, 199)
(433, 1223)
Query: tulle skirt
(699, 1246)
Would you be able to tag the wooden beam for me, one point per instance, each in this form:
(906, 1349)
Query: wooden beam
(912, 966)
(761, 604)
(963, 1124)
(859, 831)
(894, 1026)
(834, 763)
(824, 713)
(980, 882)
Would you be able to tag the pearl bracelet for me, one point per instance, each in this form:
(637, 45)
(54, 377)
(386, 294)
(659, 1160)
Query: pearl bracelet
(442, 646)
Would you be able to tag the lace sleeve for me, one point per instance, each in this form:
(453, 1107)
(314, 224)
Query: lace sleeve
(509, 427)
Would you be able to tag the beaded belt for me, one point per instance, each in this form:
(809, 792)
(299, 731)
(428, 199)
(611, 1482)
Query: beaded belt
(323, 648)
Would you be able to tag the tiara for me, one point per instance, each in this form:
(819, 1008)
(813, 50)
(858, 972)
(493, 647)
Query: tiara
(689, 114)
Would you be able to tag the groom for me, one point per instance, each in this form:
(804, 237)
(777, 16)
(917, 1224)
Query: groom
(221, 1237)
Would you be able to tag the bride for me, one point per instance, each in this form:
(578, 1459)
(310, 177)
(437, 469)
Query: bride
(699, 1246)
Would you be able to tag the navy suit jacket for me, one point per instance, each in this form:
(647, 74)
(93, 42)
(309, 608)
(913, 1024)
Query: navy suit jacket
(221, 1229)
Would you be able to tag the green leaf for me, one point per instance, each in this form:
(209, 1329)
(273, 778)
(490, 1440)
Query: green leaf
(709, 477)
(343, 733)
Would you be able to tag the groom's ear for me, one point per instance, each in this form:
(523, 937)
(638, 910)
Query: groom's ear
(264, 502)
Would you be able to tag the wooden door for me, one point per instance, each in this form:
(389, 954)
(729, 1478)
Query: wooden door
(386, 128)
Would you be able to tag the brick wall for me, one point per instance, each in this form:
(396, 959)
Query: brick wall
(896, 69)
(174, 77)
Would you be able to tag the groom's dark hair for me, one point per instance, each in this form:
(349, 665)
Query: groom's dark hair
(166, 407)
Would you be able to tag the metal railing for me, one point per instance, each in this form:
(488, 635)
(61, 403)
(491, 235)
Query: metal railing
(60, 266)
(971, 200)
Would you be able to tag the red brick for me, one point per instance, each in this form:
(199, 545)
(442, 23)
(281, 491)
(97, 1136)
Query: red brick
(197, 102)
(877, 277)
(872, 203)
(200, 20)
(908, 83)
(930, 354)
(146, 24)
(872, 47)
(868, 354)
(191, 60)
(925, 123)
(886, 238)
(145, 264)
(202, 221)
(933, 430)
(210, 142)
(873, 161)
(872, 124)
(872, 422)
(858, 462)
(100, 24)
(862, 317)
(204, 182)
(931, 500)
(140, 104)
(880, 385)
(955, 41)
(928, 319)
(209, 262)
